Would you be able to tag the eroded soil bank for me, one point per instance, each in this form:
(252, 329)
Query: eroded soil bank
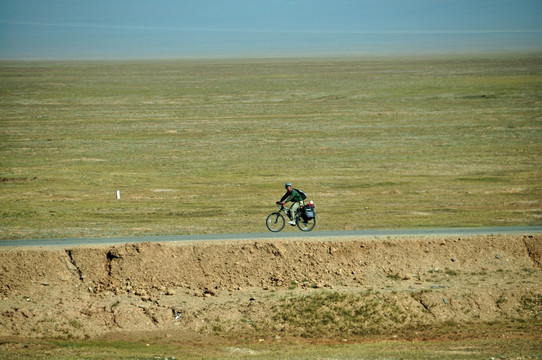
(271, 288)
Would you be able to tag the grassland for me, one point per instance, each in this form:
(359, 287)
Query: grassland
(151, 348)
(204, 147)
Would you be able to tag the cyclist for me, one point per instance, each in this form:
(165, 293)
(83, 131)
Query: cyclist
(293, 196)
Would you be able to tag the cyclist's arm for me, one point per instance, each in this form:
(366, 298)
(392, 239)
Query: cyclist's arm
(284, 197)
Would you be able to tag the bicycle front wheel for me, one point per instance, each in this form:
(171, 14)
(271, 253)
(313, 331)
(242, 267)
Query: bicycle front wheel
(275, 222)
(306, 225)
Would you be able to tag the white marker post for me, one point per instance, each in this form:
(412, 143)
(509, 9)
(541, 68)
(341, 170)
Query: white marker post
(118, 194)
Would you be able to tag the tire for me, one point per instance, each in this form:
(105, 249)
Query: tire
(275, 222)
(306, 225)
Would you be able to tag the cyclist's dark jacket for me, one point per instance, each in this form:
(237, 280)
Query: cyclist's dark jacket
(293, 197)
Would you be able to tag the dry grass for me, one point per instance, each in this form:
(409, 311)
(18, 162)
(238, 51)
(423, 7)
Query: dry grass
(508, 348)
(204, 147)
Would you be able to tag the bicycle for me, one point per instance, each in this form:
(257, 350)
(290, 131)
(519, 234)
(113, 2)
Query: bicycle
(275, 221)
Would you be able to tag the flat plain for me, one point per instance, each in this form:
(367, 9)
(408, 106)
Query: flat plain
(206, 146)
(198, 147)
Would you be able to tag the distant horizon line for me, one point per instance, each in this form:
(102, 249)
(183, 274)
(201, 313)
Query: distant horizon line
(267, 31)
(288, 56)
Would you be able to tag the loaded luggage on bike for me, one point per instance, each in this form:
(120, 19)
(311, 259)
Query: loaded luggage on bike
(308, 212)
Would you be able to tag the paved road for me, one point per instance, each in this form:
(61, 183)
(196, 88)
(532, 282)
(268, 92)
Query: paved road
(268, 235)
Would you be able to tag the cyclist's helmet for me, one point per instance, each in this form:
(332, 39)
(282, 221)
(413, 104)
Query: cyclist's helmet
(287, 184)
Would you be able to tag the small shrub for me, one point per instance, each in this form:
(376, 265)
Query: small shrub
(451, 272)
(76, 324)
(394, 276)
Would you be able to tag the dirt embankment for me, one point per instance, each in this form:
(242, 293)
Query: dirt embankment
(288, 287)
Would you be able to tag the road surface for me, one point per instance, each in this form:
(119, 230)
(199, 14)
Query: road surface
(269, 235)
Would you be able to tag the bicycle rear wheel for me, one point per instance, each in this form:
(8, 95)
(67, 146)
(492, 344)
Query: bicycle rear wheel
(306, 225)
(275, 222)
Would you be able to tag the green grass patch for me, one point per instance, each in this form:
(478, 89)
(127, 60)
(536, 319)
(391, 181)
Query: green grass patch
(333, 314)
(512, 348)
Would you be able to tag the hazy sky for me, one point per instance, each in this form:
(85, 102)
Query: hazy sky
(206, 28)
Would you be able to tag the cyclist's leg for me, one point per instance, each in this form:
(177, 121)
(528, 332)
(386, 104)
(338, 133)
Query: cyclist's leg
(287, 212)
(294, 207)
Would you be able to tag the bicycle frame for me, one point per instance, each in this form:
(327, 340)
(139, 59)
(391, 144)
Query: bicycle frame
(276, 218)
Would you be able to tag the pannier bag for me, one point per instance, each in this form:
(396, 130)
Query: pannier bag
(308, 212)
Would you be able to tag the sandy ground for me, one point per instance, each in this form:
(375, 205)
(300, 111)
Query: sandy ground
(251, 288)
